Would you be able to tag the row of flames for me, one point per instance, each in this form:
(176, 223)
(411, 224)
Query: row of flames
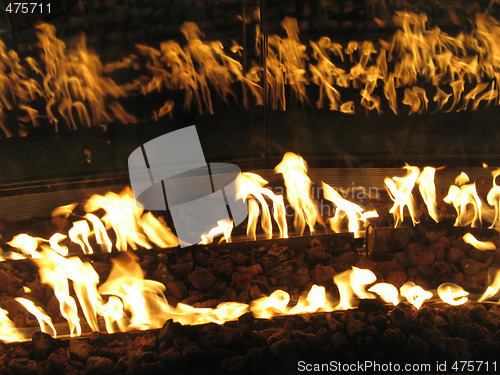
(126, 301)
(461, 71)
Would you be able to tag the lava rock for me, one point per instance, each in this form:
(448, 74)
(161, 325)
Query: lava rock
(99, 366)
(42, 345)
(80, 349)
(22, 366)
(177, 289)
(57, 362)
(202, 279)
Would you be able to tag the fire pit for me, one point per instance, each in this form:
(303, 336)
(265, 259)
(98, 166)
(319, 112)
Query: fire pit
(352, 265)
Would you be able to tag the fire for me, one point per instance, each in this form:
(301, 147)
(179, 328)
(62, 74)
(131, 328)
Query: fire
(492, 289)
(400, 191)
(77, 92)
(250, 185)
(43, 319)
(8, 330)
(415, 294)
(388, 292)
(452, 294)
(298, 191)
(463, 195)
(427, 190)
(480, 245)
(345, 208)
(493, 199)
(224, 227)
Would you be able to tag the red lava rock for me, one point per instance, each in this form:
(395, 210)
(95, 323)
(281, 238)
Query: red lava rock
(445, 241)
(241, 279)
(177, 289)
(99, 366)
(469, 266)
(438, 249)
(393, 338)
(396, 278)
(80, 349)
(419, 255)
(366, 264)
(9, 283)
(441, 268)
(42, 345)
(302, 277)
(22, 366)
(182, 270)
(323, 275)
(57, 362)
(387, 267)
(202, 279)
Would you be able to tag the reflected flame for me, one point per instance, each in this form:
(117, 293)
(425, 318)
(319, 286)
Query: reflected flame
(452, 294)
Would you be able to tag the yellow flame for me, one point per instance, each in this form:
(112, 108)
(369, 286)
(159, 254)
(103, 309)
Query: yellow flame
(298, 191)
(388, 292)
(400, 191)
(480, 245)
(427, 190)
(452, 294)
(415, 294)
(252, 185)
(463, 196)
(345, 208)
(27, 244)
(492, 289)
(43, 319)
(224, 227)
(493, 199)
(8, 330)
